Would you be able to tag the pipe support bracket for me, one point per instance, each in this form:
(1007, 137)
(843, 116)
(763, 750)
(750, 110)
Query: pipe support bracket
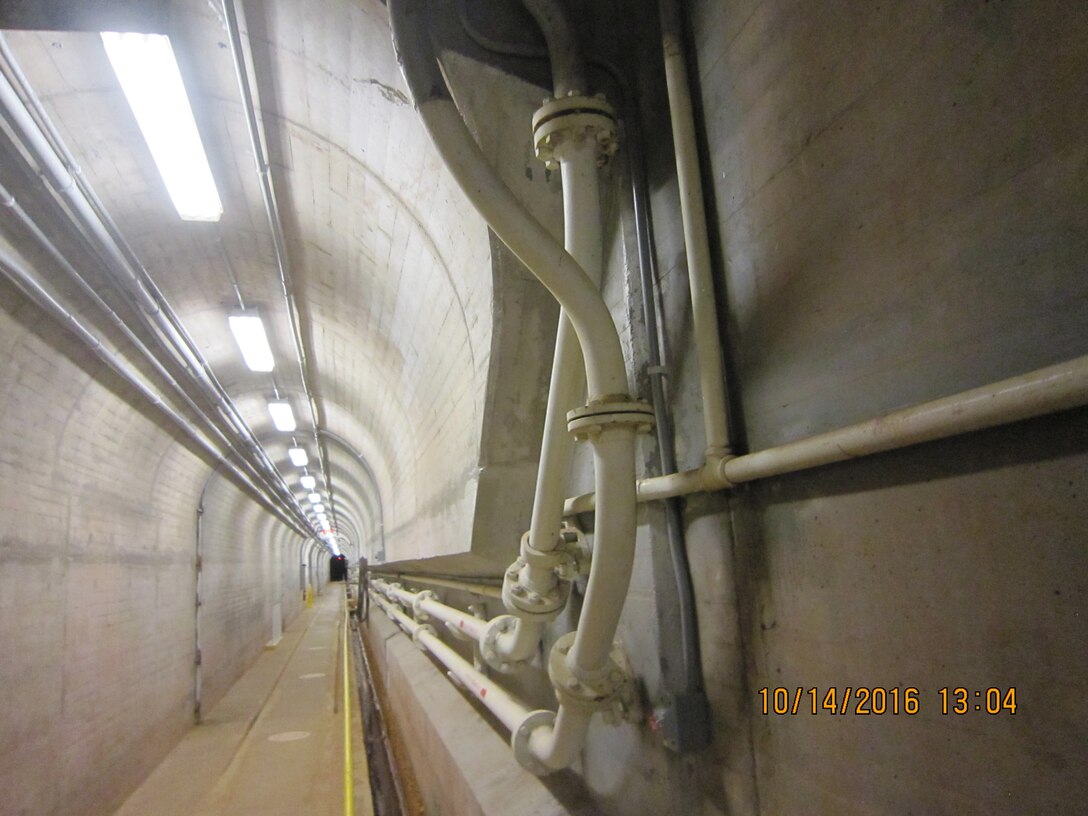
(417, 604)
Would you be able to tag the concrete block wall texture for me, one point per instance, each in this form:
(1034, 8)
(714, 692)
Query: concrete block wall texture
(897, 210)
(97, 580)
(353, 156)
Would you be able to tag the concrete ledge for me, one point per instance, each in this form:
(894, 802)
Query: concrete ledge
(462, 765)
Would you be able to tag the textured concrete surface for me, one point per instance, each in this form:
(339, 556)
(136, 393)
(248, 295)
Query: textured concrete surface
(274, 743)
(462, 763)
(897, 202)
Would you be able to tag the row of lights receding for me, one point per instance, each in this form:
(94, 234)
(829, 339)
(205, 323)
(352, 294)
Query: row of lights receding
(151, 81)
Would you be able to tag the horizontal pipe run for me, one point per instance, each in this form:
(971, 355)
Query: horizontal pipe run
(484, 590)
(471, 626)
(1037, 393)
(507, 709)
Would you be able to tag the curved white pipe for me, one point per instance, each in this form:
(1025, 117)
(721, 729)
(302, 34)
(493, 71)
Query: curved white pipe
(534, 246)
(471, 626)
(605, 368)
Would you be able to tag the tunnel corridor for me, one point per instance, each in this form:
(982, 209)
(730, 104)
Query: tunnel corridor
(541, 407)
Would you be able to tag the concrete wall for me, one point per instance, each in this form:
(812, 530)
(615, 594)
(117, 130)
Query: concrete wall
(897, 198)
(897, 206)
(97, 580)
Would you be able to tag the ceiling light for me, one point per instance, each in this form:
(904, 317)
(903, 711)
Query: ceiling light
(297, 456)
(307, 482)
(314, 498)
(248, 331)
(319, 508)
(284, 419)
(149, 76)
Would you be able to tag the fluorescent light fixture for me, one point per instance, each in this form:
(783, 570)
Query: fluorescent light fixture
(149, 76)
(319, 508)
(307, 482)
(284, 420)
(297, 456)
(249, 333)
(314, 498)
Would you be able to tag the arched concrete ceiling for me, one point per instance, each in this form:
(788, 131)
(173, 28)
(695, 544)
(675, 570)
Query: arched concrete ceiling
(390, 266)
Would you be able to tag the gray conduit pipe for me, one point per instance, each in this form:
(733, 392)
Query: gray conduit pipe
(582, 667)
(7, 200)
(112, 250)
(29, 286)
(275, 223)
(347, 446)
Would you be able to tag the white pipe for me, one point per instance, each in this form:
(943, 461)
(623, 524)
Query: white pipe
(507, 709)
(613, 554)
(614, 464)
(558, 745)
(708, 351)
(582, 239)
(484, 590)
(535, 247)
(471, 626)
(1044, 391)
(1055, 388)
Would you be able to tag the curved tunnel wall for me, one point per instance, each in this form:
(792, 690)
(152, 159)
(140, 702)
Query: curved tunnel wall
(97, 589)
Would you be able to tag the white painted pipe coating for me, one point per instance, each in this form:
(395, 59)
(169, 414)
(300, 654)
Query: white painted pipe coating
(533, 244)
(1044, 391)
(509, 711)
(582, 239)
(613, 551)
(558, 745)
(462, 621)
(708, 351)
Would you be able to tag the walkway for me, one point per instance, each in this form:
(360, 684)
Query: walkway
(274, 744)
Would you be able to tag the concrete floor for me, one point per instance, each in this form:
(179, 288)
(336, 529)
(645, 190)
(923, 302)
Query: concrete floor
(274, 744)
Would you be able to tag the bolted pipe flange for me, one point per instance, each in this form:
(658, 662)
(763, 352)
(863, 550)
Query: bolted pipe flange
(590, 420)
(489, 645)
(417, 604)
(424, 627)
(571, 121)
(519, 740)
(528, 603)
(605, 692)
